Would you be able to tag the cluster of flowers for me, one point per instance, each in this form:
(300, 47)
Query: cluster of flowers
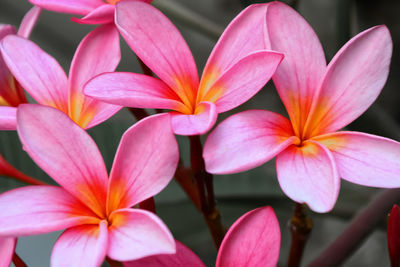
(263, 41)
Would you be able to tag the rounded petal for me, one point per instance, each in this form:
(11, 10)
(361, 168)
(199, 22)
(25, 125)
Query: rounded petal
(7, 247)
(364, 158)
(136, 233)
(68, 6)
(145, 162)
(258, 232)
(308, 174)
(29, 21)
(8, 118)
(246, 140)
(81, 246)
(101, 15)
(66, 152)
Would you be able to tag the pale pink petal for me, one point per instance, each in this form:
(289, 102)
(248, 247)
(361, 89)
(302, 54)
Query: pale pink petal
(136, 233)
(195, 124)
(157, 42)
(145, 162)
(354, 79)
(68, 6)
(183, 257)
(364, 158)
(97, 53)
(243, 80)
(101, 15)
(8, 118)
(298, 76)
(37, 72)
(81, 246)
(308, 174)
(66, 152)
(7, 247)
(40, 209)
(29, 22)
(246, 140)
(253, 240)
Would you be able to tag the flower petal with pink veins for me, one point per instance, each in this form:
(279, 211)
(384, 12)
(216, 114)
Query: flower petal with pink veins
(253, 240)
(8, 118)
(101, 15)
(195, 124)
(308, 174)
(145, 162)
(298, 76)
(66, 152)
(365, 159)
(81, 246)
(246, 140)
(354, 79)
(40, 209)
(135, 233)
(7, 247)
(183, 257)
(37, 72)
(97, 53)
(29, 22)
(81, 7)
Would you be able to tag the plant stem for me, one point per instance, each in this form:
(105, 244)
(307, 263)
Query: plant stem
(148, 204)
(18, 262)
(7, 169)
(300, 227)
(114, 263)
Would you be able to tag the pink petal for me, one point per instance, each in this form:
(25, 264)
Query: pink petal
(253, 240)
(308, 174)
(7, 247)
(298, 76)
(183, 257)
(8, 118)
(37, 72)
(29, 22)
(81, 246)
(136, 233)
(354, 79)
(145, 162)
(40, 209)
(101, 15)
(393, 236)
(246, 140)
(157, 42)
(243, 80)
(90, 60)
(195, 124)
(66, 152)
(68, 6)
(364, 158)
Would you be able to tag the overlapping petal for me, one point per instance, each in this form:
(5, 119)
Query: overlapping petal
(7, 247)
(101, 15)
(68, 6)
(29, 22)
(8, 118)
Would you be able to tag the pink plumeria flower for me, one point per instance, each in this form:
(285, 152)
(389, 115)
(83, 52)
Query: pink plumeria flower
(94, 11)
(237, 69)
(320, 99)
(44, 79)
(11, 93)
(253, 240)
(95, 210)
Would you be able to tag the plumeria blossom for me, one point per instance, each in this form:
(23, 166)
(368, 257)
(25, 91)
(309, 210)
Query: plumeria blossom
(95, 210)
(239, 66)
(11, 93)
(44, 79)
(320, 99)
(253, 240)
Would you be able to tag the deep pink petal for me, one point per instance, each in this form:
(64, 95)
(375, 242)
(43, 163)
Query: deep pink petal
(7, 247)
(308, 174)
(195, 124)
(40, 209)
(145, 162)
(136, 233)
(101, 15)
(66, 152)
(253, 240)
(246, 140)
(183, 257)
(68, 6)
(298, 76)
(8, 118)
(393, 236)
(81, 246)
(354, 79)
(364, 158)
(37, 72)
(29, 22)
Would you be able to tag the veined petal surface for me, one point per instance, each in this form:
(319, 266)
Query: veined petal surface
(81, 7)
(8, 118)
(7, 247)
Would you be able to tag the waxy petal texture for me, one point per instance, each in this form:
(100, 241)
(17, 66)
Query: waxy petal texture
(7, 247)
(29, 22)
(253, 240)
(8, 118)
(102, 15)
(308, 174)
(136, 233)
(68, 6)
(81, 246)
(365, 159)
(393, 236)
(247, 140)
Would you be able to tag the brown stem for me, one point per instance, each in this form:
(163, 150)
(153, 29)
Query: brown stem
(148, 204)
(114, 263)
(300, 228)
(6, 169)
(18, 262)
(185, 177)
